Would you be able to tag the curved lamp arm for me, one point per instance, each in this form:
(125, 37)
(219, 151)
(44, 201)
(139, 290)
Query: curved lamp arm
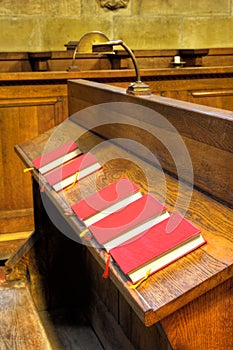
(127, 49)
(98, 42)
(137, 88)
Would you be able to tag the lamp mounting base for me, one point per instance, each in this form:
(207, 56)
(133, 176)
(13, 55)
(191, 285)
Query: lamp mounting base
(73, 68)
(138, 88)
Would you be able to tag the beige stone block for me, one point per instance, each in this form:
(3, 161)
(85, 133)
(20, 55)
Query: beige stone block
(59, 31)
(89, 7)
(180, 7)
(41, 7)
(22, 7)
(63, 8)
(19, 34)
(149, 32)
(207, 32)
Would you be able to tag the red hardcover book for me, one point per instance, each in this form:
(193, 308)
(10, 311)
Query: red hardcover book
(157, 247)
(128, 222)
(74, 170)
(106, 201)
(56, 157)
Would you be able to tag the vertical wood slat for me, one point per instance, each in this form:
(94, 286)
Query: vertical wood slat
(140, 336)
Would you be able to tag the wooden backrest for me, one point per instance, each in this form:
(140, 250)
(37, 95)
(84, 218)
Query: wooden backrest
(179, 136)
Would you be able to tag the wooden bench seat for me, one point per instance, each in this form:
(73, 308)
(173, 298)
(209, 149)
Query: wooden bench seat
(182, 306)
(21, 327)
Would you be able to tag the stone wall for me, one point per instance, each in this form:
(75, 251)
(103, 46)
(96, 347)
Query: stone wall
(45, 25)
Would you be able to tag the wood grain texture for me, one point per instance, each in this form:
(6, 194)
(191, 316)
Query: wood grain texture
(67, 328)
(2, 274)
(24, 113)
(142, 337)
(208, 321)
(9, 247)
(196, 124)
(33, 102)
(175, 285)
(184, 285)
(21, 327)
(16, 236)
(13, 221)
(61, 60)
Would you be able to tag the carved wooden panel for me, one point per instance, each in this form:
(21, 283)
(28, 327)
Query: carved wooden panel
(25, 112)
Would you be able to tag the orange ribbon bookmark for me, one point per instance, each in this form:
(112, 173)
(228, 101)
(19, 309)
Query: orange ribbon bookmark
(26, 170)
(134, 286)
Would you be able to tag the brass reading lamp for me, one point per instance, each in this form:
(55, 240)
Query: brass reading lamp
(97, 42)
(84, 46)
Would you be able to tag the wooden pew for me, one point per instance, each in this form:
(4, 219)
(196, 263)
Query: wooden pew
(201, 128)
(147, 59)
(186, 305)
(33, 102)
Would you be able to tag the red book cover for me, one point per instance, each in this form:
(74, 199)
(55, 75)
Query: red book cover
(123, 220)
(54, 154)
(104, 198)
(156, 242)
(71, 168)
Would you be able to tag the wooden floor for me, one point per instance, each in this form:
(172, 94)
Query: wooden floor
(22, 328)
(69, 330)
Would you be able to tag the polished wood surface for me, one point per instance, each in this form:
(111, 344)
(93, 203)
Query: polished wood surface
(189, 298)
(21, 327)
(61, 60)
(33, 102)
(205, 129)
(10, 242)
(209, 310)
(214, 224)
